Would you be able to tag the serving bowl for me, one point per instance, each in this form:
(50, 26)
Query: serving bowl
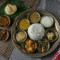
(20, 31)
(45, 45)
(7, 32)
(55, 33)
(35, 45)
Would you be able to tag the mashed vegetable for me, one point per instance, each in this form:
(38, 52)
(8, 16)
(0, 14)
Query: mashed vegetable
(20, 36)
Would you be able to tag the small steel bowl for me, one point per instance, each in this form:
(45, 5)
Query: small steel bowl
(55, 33)
(17, 32)
(28, 15)
(8, 19)
(17, 23)
(50, 17)
(44, 40)
(7, 35)
(25, 43)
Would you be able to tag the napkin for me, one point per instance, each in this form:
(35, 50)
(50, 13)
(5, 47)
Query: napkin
(57, 55)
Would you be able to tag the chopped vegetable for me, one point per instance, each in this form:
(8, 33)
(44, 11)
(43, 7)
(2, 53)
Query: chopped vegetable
(4, 21)
(51, 35)
(29, 46)
(42, 46)
(20, 36)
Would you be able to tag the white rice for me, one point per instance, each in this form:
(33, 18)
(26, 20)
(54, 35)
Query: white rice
(47, 21)
(36, 31)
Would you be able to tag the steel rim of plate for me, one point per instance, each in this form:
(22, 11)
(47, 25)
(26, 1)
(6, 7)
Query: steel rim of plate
(37, 54)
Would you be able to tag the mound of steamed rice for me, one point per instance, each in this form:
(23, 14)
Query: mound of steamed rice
(36, 31)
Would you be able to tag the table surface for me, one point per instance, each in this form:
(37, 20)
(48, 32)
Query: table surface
(52, 6)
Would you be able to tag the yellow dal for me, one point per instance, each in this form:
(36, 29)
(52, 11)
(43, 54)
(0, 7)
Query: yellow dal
(24, 24)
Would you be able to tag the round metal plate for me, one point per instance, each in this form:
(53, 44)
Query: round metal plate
(36, 54)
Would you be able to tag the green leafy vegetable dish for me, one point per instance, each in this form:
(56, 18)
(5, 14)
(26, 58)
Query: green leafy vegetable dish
(19, 4)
